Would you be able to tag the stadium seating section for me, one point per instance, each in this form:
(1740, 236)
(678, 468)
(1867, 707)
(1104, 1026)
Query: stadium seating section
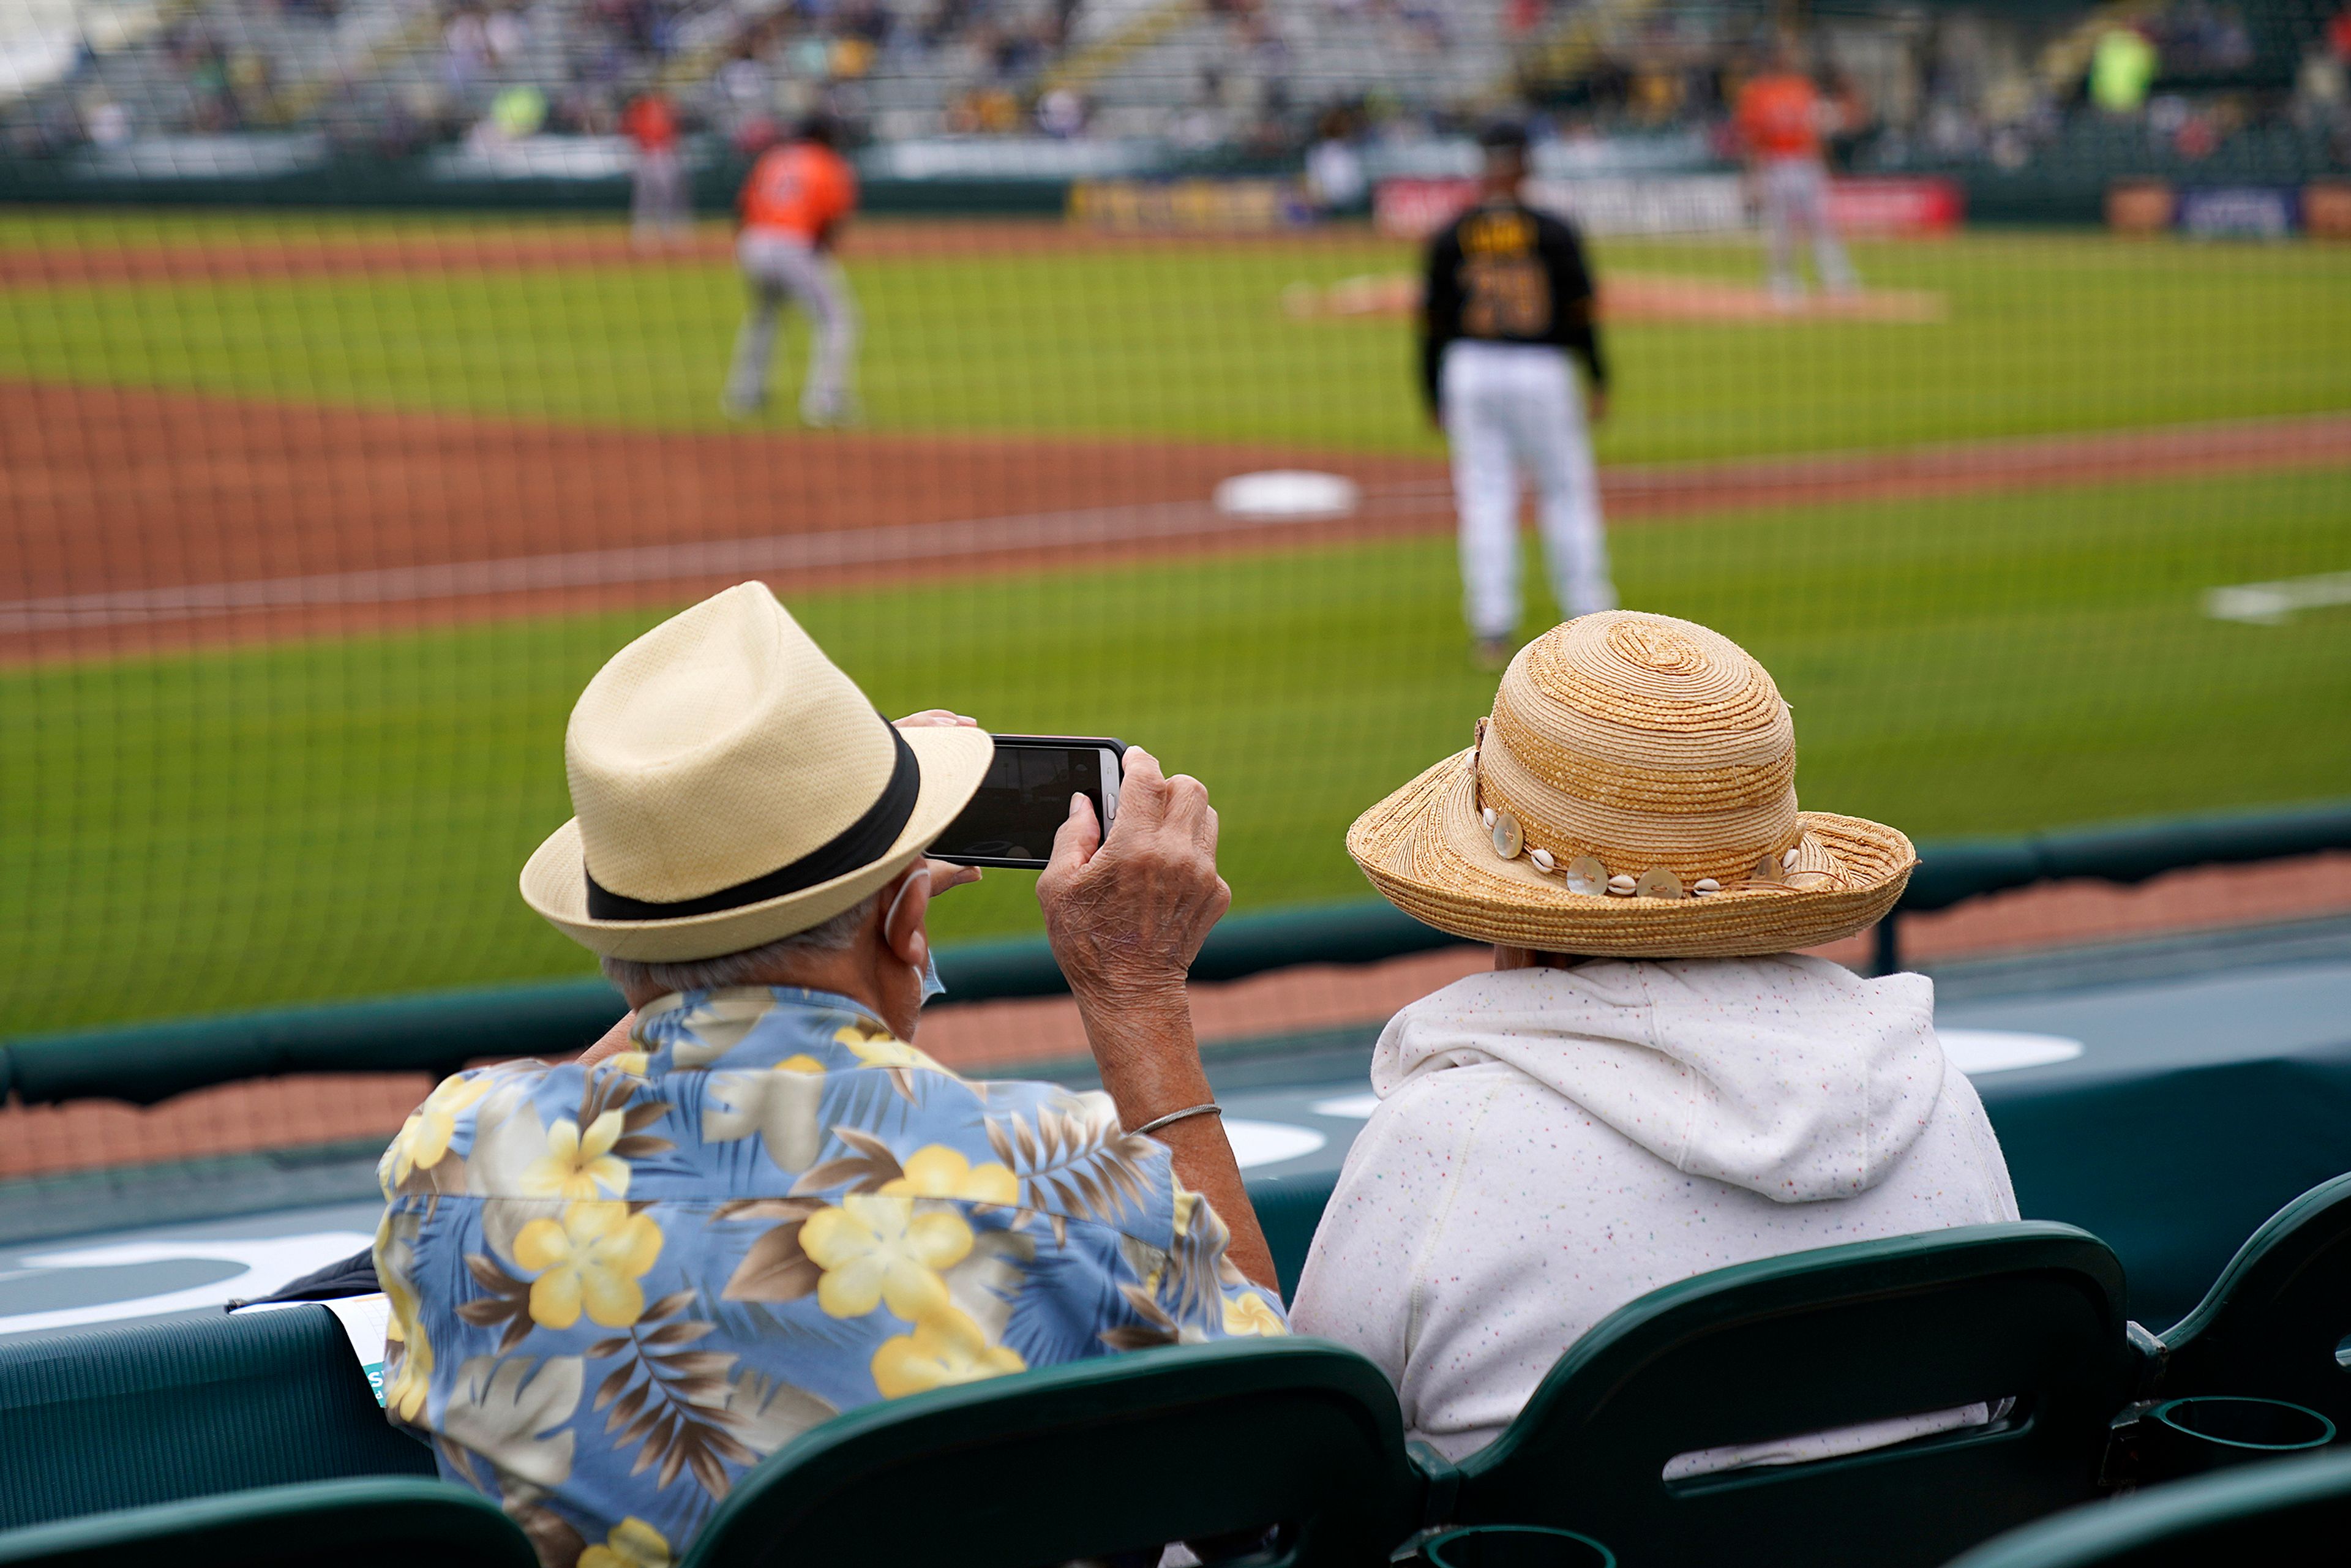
(254, 1440)
(2289, 1514)
(1236, 79)
(1815, 1341)
(1261, 1432)
(2273, 1324)
(126, 1417)
(378, 1522)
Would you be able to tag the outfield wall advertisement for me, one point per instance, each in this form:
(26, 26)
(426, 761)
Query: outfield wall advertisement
(2321, 209)
(1684, 203)
(1187, 206)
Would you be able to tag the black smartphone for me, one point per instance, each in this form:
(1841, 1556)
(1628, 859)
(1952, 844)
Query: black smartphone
(1025, 798)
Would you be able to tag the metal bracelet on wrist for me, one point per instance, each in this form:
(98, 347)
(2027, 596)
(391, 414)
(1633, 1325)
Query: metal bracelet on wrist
(1210, 1109)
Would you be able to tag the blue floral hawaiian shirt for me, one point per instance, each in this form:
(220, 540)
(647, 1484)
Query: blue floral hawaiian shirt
(615, 1288)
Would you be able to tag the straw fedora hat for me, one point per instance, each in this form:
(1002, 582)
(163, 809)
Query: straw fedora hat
(1632, 794)
(733, 787)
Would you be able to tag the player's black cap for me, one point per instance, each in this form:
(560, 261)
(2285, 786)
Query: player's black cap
(1502, 136)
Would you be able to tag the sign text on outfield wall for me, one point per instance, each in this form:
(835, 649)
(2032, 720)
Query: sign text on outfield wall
(1185, 206)
(1688, 204)
(2321, 209)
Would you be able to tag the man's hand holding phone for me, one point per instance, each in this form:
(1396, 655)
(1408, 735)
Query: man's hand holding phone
(1126, 917)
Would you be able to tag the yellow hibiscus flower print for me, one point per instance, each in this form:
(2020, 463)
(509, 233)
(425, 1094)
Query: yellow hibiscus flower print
(593, 1258)
(632, 1544)
(579, 1166)
(1248, 1313)
(946, 1348)
(636, 1064)
(937, 1171)
(875, 1250)
(1186, 1201)
(425, 1137)
(404, 1395)
(801, 1061)
(885, 1051)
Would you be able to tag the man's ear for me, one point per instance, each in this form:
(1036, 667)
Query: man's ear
(905, 902)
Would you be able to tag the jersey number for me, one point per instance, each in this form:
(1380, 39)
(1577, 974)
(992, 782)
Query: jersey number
(1508, 296)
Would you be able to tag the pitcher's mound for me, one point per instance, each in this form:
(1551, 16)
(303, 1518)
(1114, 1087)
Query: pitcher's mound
(1636, 297)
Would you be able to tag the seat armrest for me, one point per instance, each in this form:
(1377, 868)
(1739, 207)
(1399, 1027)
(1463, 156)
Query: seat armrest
(1441, 1484)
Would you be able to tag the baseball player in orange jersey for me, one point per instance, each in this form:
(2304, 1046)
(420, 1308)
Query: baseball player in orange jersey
(1778, 117)
(659, 209)
(793, 204)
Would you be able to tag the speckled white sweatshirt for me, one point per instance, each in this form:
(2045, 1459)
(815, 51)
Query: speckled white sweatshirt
(1550, 1143)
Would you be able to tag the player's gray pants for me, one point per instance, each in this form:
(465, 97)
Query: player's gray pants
(1795, 194)
(657, 201)
(778, 268)
(1507, 407)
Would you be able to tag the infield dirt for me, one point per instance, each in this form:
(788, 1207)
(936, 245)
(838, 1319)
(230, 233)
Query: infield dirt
(153, 519)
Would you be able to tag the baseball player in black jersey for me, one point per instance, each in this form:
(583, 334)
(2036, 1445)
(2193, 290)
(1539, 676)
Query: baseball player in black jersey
(1507, 301)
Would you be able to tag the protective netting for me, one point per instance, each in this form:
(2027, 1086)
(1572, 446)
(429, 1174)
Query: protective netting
(314, 519)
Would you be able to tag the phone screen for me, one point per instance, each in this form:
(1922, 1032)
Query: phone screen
(1025, 798)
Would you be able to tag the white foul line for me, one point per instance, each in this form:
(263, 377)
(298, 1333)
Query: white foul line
(2272, 603)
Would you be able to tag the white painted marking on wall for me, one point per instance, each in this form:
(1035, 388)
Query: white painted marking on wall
(268, 1263)
(1357, 1107)
(1269, 1142)
(1976, 1052)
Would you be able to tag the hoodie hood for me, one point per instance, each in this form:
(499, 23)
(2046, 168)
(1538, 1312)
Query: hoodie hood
(1789, 1076)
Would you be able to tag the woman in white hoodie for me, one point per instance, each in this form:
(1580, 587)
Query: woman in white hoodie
(1682, 1093)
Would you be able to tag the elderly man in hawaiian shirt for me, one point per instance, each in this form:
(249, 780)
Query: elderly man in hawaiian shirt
(619, 1282)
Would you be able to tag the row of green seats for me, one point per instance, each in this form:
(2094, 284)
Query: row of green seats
(107, 1435)
(2287, 1514)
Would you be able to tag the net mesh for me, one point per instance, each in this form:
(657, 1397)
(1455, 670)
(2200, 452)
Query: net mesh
(335, 456)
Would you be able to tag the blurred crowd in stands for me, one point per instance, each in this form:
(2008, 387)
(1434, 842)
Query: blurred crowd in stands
(1910, 86)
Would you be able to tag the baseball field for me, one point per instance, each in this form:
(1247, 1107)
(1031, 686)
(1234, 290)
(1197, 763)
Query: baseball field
(311, 529)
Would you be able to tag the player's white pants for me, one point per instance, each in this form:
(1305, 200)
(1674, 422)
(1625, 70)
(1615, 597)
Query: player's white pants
(658, 207)
(780, 266)
(1509, 406)
(1795, 194)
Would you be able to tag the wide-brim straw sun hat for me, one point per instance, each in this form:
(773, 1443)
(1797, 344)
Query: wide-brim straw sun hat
(1632, 794)
(734, 786)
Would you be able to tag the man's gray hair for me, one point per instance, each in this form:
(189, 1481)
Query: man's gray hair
(771, 963)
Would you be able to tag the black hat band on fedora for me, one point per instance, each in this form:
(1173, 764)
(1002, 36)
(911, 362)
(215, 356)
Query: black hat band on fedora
(861, 843)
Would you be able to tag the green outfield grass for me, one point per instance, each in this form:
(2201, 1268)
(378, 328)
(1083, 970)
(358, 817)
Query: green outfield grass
(2046, 332)
(345, 816)
(340, 818)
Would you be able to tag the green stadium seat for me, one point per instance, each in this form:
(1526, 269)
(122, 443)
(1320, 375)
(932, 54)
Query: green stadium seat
(2292, 1513)
(373, 1523)
(1810, 1341)
(123, 1416)
(1092, 1459)
(2270, 1325)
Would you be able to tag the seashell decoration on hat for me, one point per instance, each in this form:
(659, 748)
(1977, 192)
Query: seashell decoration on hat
(1633, 792)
